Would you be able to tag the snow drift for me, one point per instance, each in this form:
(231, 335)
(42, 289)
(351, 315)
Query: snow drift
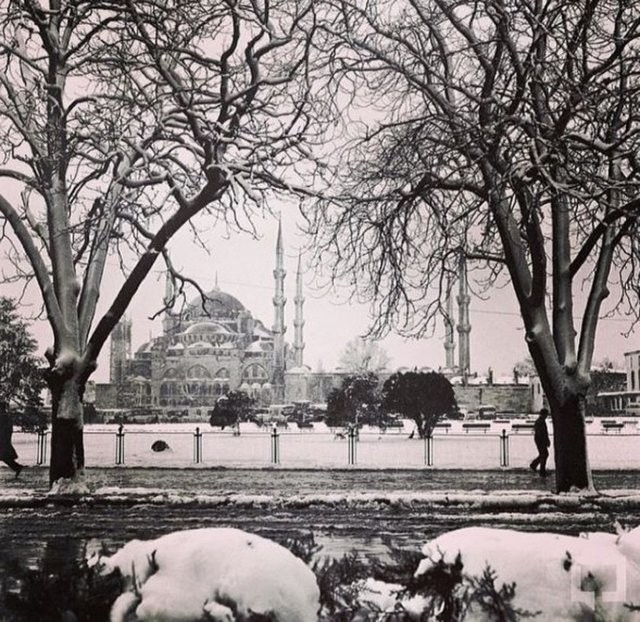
(216, 574)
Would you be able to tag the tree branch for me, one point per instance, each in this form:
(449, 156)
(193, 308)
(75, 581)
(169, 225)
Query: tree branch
(39, 268)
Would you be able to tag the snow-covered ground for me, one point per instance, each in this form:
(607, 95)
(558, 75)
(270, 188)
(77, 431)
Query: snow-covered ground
(459, 446)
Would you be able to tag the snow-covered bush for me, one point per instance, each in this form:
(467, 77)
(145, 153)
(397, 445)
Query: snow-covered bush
(217, 574)
(560, 577)
(358, 590)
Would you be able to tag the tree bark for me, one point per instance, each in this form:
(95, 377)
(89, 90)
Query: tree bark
(570, 445)
(67, 444)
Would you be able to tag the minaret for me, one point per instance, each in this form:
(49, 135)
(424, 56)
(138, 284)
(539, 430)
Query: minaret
(464, 327)
(449, 345)
(298, 322)
(120, 351)
(278, 326)
(168, 300)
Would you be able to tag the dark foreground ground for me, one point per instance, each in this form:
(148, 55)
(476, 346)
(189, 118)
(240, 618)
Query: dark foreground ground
(343, 510)
(289, 482)
(277, 509)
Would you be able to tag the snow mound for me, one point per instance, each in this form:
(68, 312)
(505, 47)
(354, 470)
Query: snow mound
(594, 576)
(217, 574)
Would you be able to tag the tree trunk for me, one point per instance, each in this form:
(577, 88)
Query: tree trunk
(67, 446)
(570, 446)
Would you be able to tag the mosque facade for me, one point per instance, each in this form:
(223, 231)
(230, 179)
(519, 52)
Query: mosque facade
(213, 346)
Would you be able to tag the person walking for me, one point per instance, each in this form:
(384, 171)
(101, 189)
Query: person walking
(8, 454)
(541, 439)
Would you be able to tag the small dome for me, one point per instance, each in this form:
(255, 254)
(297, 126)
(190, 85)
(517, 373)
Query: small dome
(176, 346)
(206, 328)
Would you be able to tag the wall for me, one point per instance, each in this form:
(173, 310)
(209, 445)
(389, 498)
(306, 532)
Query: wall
(507, 398)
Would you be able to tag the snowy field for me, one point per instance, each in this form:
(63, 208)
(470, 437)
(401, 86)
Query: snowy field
(474, 445)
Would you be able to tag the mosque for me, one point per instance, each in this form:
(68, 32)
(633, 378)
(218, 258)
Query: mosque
(215, 345)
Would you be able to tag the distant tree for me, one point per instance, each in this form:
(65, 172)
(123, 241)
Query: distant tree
(421, 396)
(356, 401)
(605, 364)
(21, 374)
(231, 408)
(362, 393)
(336, 408)
(362, 356)
(525, 367)
(31, 418)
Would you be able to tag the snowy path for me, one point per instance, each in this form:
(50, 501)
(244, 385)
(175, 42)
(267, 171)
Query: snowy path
(345, 509)
(299, 480)
(340, 521)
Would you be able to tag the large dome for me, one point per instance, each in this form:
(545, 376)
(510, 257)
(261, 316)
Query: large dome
(217, 304)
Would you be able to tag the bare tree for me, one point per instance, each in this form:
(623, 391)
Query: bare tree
(507, 131)
(120, 122)
(364, 355)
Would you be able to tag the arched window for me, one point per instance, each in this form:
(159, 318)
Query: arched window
(255, 373)
(198, 371)
(222, 374)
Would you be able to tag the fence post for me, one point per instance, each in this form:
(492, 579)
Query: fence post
(504, 449)
(275, 445)
(197, 446)
(120, 445)
(428, 449)
(41, 454)
(352, 444)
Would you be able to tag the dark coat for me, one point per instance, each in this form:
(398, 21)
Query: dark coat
(541, 434)
(7, 452)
